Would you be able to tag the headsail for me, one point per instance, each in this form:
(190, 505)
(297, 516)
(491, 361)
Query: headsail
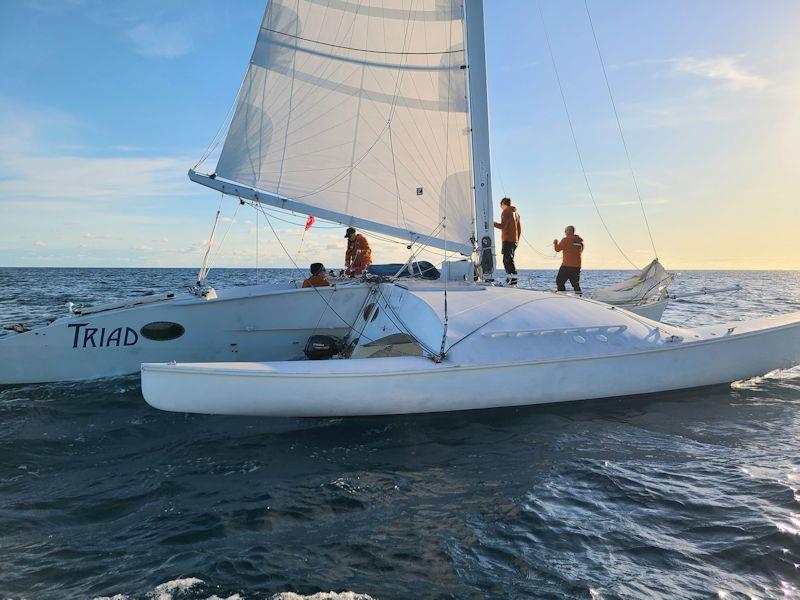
(357, 110)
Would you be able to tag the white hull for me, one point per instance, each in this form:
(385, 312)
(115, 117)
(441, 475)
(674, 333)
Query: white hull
(266, 322)
(252, 323)
(410, 384)
(649, 310)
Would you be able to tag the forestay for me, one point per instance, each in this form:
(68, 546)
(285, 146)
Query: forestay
(359, 108)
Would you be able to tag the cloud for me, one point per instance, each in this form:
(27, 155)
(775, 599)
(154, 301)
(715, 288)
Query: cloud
(38, 161)
(71, 177)
(724, 69)
(197, 247)
(167, 40)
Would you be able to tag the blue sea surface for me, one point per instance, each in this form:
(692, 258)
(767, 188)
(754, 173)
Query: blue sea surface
(693, 494)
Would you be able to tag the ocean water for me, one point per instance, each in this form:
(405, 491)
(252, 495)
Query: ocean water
(685, 495)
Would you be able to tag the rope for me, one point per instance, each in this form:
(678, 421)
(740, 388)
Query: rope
(539, 252)
(350, 325)
(575, 141)
(494, 318)
(225, 122)
(366, 50)
(222, 243)
(257, 247)
(446, 319)
(619, 127)
(201, 275)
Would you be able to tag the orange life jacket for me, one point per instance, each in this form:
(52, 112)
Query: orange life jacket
(509, 225)
(572, 248)
(317, 280)
(358, 256)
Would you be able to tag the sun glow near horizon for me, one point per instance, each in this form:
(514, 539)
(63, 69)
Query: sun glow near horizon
(94, 174)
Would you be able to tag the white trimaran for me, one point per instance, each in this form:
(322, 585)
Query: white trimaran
(375, 114)
(347, 164)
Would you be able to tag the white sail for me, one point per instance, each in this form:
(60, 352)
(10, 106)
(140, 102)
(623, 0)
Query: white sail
(358, 108)
(650, 281)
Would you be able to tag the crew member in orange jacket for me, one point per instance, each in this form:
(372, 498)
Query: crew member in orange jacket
(358, 256)
(571, 248)
(317, 278)
(511, 230)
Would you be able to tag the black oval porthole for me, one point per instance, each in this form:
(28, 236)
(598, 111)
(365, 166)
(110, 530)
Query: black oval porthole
(370, 308)
(161, 331)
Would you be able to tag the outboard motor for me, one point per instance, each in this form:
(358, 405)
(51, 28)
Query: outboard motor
(322, 347)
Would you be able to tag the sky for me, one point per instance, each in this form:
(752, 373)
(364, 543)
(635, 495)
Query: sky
(104, 106)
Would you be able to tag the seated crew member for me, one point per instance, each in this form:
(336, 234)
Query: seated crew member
(572, 248)
(358, 256)
(317, 278)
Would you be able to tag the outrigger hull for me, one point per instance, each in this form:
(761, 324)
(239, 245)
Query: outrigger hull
(412, 384)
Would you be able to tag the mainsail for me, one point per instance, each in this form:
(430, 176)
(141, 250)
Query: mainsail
(357, 111)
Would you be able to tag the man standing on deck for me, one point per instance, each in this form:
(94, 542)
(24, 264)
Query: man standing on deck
(571, 248)
(511, 230)
(358, 256)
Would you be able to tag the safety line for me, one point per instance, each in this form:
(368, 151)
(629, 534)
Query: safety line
(619, 127)
(575, 141)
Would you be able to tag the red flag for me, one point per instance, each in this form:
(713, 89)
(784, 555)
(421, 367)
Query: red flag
(309, 223)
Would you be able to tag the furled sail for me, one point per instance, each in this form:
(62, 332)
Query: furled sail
(357, 110)
(650, 281)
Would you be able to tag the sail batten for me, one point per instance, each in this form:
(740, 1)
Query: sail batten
(359, 108)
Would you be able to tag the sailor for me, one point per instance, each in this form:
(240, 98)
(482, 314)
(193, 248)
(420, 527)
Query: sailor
(571, 248)
(317, 278)
(358, 256)
(511, 231)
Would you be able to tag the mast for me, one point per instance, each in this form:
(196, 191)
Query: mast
(479, 125)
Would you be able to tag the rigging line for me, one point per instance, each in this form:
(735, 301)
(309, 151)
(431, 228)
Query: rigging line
(402, 326)
(366, 50)
(619, 127)
(494, 318)
(539, 252)
(347, 196)
(575, 140)
(319, 293)
(301, 224)
(291, 97)
(225, 123)
(257, 248)
(446, 175)
(201, 275)
(280, 243)
(224, 237)
(500, 176)
(275, 233)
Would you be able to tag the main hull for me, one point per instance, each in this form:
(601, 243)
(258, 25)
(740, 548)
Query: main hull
(254, 323)
(267, 322)
(380, 386)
